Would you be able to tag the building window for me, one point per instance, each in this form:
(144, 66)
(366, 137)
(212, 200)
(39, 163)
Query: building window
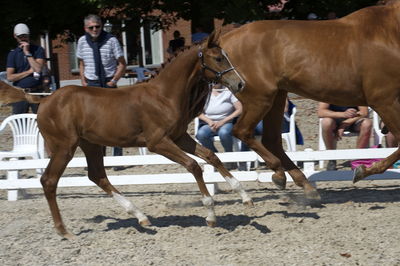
(73, 60)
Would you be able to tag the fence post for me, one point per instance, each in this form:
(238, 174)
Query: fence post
(12, 195)
(211, 187)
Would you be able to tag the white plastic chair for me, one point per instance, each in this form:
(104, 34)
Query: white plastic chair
(290, 137)
(378, 136)
(27, 140)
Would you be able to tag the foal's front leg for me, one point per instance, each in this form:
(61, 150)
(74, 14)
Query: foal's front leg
(189, 145)
(169, 149)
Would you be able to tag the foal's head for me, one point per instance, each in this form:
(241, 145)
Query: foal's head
(216, 65)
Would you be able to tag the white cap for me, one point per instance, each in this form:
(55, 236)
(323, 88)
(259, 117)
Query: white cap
(312, 16)
(20, 29)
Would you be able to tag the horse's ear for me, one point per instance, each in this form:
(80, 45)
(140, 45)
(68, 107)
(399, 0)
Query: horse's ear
(213, 39)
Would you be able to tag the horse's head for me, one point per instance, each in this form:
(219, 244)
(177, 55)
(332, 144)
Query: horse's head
(216, 65)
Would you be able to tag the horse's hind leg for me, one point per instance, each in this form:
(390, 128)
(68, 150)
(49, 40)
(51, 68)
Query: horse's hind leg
(189, 145)
(272, 140)
(389, 114)
(169, 149)
(97, 174)
(49, 180)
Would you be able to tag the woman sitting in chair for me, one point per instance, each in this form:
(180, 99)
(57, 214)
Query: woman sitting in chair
(217, 119)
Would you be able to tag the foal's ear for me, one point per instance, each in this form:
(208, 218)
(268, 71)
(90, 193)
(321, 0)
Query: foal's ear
(213, 39)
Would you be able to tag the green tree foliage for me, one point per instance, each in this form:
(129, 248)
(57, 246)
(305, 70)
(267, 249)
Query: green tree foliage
(58, 16)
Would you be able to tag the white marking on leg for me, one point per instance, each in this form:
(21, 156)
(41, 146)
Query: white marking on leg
(129, 206)
(208, 202)
(236, 186)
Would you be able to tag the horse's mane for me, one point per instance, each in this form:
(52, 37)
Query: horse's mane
(171, 59)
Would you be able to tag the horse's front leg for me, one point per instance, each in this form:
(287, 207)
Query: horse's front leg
(169, 149)
(272, 140)
(189, 145)
(244, 130)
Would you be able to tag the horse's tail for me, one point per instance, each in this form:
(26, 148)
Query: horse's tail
(10, 94)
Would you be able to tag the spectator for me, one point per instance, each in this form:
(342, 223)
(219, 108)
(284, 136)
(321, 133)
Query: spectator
(217, 118)
(101, 60)
(176, 43)
(199, 35)
(24, 66)
(337, 119)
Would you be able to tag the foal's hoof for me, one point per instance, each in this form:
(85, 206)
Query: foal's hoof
(145, 223)
(280, 182)
(67, 235)
(211, 223)
(248, 203)
(359, 173)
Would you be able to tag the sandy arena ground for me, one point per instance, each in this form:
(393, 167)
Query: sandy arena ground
(353, 225)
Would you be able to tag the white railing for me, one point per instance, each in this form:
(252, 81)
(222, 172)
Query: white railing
(13, 182)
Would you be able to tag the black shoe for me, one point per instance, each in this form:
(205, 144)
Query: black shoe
(242, 166)
(331, 166)
(118, 168)
(230, 166)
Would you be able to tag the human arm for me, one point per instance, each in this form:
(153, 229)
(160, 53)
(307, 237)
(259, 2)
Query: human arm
(121, 67)
(324, 111)
(12, 76)
(238, 110)
(35, 63)
(82, 72)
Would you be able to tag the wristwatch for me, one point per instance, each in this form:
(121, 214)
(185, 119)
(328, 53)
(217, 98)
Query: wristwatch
(28, 55)
(114, 81)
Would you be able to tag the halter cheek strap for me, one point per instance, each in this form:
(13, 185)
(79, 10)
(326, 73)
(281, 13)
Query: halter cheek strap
(218, 74)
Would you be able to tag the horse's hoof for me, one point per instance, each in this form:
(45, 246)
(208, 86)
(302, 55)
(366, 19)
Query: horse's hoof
(280, 182)
(313, 195)
(359, 173)
(145, 223)
(248, 203)
(211, 223)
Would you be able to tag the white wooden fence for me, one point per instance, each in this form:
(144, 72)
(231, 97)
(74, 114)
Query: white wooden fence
(13, 182)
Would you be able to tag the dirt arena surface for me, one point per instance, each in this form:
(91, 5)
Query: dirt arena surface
(354, 224)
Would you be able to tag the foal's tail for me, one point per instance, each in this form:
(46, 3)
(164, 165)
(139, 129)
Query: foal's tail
(10, 94)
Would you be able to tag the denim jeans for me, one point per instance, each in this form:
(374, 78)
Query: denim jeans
(23, 107)
(257, 132)
(205, 136)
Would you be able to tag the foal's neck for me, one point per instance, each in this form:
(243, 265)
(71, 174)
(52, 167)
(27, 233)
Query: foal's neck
(180, 74)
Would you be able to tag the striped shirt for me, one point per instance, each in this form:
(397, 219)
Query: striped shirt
(109, 53)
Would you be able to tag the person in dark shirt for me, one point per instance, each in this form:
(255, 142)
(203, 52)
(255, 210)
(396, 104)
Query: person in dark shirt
(176, 43)
(24, 66)
(337, 119)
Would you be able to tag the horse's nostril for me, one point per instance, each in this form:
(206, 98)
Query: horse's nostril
(240, 85)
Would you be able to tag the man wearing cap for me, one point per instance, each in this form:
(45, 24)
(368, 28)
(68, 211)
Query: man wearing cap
(101, 60)
(24, 65)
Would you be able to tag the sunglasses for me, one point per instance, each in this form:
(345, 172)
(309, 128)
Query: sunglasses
(94, 27)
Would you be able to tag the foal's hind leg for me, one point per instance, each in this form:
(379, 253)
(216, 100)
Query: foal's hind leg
(97, 174)
(169, 149)
(189, 145)
(389, 115)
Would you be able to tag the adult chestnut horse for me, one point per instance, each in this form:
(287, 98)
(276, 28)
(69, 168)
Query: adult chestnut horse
(354, 60)
(154, 114)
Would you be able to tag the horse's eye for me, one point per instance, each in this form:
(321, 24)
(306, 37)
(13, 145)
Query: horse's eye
(218, 59)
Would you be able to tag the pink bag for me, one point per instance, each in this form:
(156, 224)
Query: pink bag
(367, 162)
